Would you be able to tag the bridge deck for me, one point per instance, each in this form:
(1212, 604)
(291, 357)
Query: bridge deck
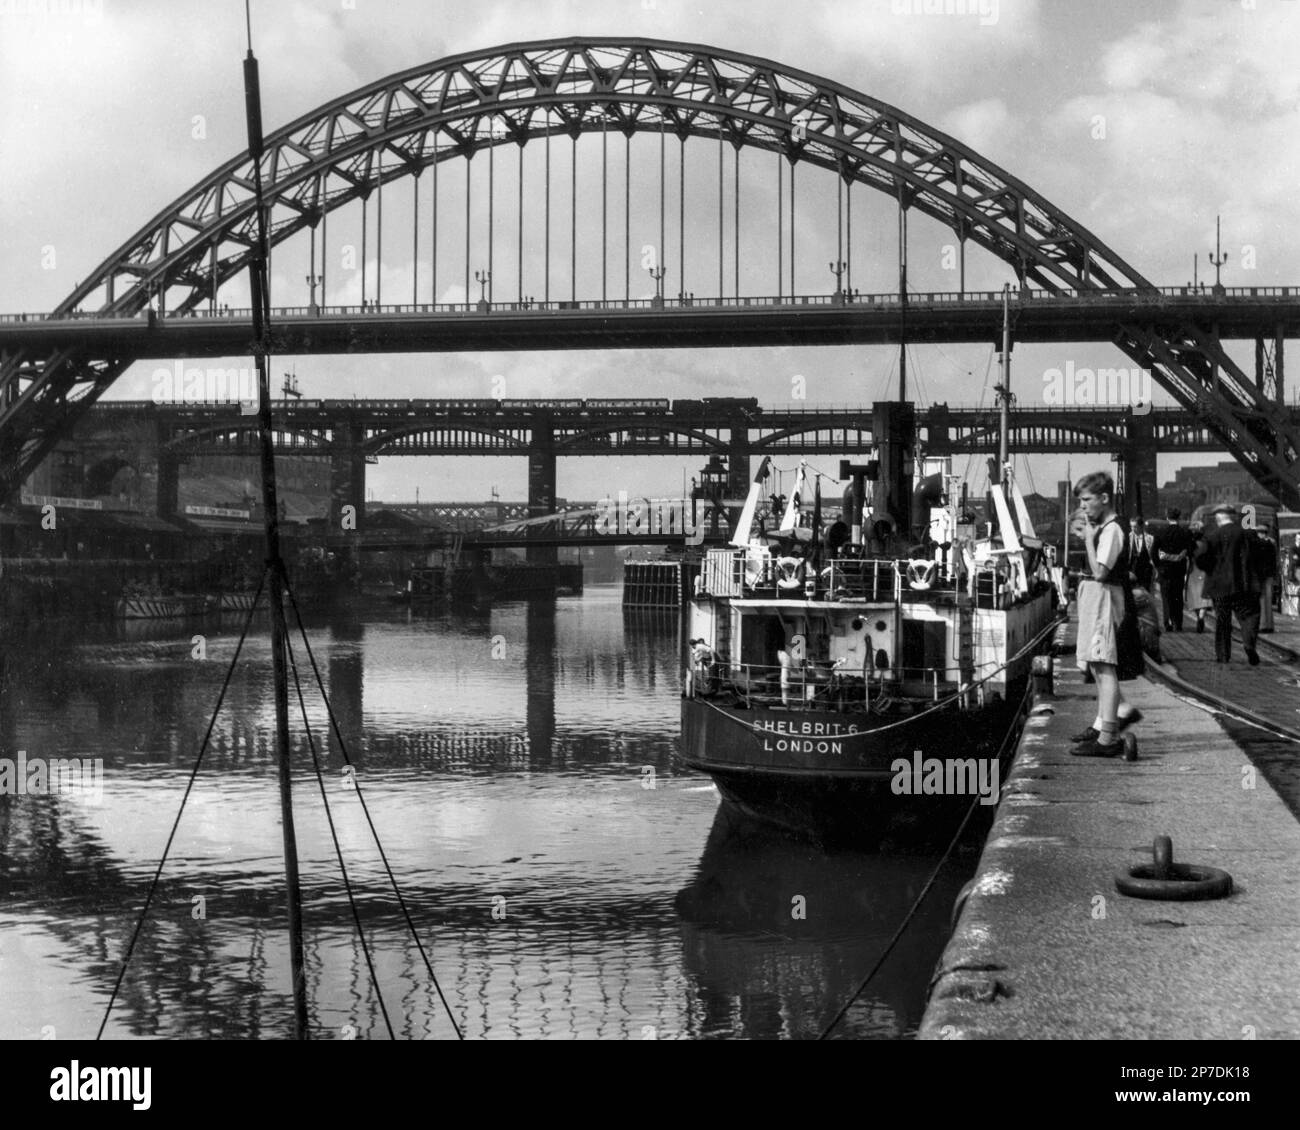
(814, 319)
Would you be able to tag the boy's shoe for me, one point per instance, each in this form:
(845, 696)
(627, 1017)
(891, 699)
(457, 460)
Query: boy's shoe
(1096, 749)
(1091, 735)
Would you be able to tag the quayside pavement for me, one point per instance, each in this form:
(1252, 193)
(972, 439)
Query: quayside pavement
(1046, 947)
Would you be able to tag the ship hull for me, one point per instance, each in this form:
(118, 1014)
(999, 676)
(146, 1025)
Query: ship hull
(845, 778)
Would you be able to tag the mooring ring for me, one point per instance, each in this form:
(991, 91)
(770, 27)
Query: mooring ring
(1162, 878)
(1183, 883)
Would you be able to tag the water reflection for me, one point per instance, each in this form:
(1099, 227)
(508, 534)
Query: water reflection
(507, 756)
(779, 935)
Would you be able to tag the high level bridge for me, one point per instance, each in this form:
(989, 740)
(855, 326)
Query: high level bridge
(351, 433)
(687, 160)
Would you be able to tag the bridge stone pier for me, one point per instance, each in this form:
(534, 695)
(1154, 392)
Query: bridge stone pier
(168, 488)
(541, 483)
(1139, 461)
(347, 477)
(739, 471)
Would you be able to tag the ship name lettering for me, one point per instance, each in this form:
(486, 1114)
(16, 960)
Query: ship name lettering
(799, 745)
(813, 729)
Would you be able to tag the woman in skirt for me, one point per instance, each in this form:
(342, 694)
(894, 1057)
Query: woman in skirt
(1101, 611)
(1196, 602)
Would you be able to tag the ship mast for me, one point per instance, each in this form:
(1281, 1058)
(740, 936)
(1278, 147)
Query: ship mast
(259, 285)
(1004, 389)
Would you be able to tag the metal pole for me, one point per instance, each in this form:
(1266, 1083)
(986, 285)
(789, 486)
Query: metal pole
(433, 239)
(467, 217)
(415, 245)
(573, 223)
(681, 216)
(604, 210)
(365, 203)
(261, 304)
(736, 224)
(1004, 422)
(780, 231)
(379, 241)
(902, 300)
(627, 218)
(792, 289)
(839, 222)
(492, 149)
(848, 234)
(546, 247)
(521, 224)
(663, 239)
(721, 221)
(324, 252)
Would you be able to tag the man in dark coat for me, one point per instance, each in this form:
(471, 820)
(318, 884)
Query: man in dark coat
(1142, 553)
(1232, 583)
(1174, 546)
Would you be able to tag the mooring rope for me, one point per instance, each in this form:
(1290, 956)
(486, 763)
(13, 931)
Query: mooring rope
(198, 761)
(934, 875)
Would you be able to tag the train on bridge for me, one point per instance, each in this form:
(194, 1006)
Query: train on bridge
(576, 406)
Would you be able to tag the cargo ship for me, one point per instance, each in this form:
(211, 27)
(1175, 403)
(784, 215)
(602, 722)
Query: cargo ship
(845, 683)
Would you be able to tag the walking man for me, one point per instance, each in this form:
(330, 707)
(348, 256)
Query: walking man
(1174, 545)
(1232, 583)
(1142, 554)
(1266, 567)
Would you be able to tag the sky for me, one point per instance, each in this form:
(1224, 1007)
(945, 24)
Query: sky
(1142, 121)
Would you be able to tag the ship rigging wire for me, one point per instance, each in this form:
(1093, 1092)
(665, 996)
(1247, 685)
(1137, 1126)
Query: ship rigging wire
(338, 849)
(365, 808)
(189, 785)
(198, 761)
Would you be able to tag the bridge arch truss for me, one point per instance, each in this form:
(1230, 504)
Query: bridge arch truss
(457, 107)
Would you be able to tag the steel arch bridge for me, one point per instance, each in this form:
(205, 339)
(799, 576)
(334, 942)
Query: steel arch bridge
(454, 108)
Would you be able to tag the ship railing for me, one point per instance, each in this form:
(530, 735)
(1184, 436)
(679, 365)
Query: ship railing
(865, 578)
(820, 685)
(993, 587)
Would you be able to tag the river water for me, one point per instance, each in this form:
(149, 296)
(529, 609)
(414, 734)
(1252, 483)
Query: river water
(565, 875)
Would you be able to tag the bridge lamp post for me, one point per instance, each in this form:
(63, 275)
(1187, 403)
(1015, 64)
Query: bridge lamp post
(837, 269)
(1218, 259)
(657, 273)
(482, 278)
(313, 281)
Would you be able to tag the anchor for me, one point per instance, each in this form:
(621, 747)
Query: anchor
(1165, 879)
